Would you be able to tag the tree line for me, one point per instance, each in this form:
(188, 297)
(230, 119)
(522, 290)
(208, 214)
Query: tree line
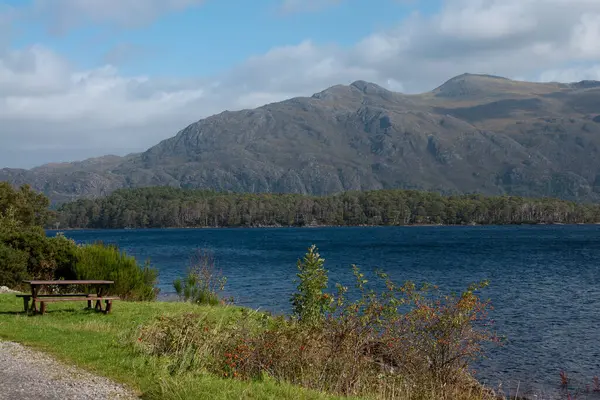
(161, 207)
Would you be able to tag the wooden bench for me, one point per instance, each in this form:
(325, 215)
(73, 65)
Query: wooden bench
(43, 299)
(49, 298)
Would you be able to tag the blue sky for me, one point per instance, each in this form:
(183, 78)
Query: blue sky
(213, 36)
(83, 78)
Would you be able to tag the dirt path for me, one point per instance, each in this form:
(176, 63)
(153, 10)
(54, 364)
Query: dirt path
(27, 375)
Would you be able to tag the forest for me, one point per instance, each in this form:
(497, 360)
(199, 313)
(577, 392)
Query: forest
(166, 207)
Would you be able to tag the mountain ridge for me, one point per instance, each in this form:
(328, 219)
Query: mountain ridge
(473, 133)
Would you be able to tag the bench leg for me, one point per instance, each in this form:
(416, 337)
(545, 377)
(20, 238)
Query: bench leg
(98, 305)
(89, 305)
(108, 306)
(25, 303)
(33, 308)
(42, 307)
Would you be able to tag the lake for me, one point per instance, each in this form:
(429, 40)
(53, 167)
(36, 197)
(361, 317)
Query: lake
(544, 280)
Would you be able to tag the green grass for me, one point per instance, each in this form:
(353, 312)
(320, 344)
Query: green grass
(102, 344)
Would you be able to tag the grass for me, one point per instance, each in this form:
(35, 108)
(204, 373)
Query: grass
(99, 344)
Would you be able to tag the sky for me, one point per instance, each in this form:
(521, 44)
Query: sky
(85, 78)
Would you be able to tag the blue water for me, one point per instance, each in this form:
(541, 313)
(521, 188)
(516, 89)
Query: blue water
(544, 280)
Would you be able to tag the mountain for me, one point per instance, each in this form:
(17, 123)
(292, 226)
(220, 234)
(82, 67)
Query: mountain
(474, 133)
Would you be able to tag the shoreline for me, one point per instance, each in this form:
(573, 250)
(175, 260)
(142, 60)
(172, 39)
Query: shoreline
(322, 226)
(532, 391)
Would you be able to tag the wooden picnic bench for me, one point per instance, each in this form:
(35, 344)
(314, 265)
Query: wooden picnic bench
(98, 296)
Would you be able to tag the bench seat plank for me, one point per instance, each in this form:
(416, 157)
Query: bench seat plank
(70, 282)
(39, 296)
(55, 299)
(98, 299)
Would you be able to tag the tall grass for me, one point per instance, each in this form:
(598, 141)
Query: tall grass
(203, 283)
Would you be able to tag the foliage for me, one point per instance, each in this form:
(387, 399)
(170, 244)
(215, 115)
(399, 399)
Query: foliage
(13, 266)
(203, 283)
(13, 262)
(25, 205)
(403, 342)
(309, 302)
(132, 281)
(169, 207)
(9, 221)
(26, 252)
(48, 257)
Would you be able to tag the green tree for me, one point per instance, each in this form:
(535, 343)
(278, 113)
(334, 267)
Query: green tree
(28, 207)
(310, 303)
(13, 266)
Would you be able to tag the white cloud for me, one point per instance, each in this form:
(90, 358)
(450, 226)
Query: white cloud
(572, 74)
(585, 36)
(483, 19)
(75, 114)
(34, 71)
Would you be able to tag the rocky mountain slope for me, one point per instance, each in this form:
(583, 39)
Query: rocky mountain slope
(475, 133)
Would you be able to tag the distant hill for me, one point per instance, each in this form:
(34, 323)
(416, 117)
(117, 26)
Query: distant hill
(474, 133)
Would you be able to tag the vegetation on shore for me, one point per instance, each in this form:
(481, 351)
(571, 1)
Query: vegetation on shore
(402, 343)
(162, 207)
(27, 253)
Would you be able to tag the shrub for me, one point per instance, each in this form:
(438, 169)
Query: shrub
(64, 251)
(13, 266)
(48, 258)
(132, 281)
(309, 302)
(403, 342)
(203, 282)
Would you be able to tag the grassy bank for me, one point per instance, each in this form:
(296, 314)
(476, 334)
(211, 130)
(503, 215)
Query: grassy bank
(101, 344)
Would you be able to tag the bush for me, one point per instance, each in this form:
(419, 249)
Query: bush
(413, 342)
(13, 266)
(309, 302)
(64, 252)
(403, 342)
(48, 258)
(132, 281)
(203, 282)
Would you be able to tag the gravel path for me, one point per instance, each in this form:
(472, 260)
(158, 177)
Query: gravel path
(27, 375)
